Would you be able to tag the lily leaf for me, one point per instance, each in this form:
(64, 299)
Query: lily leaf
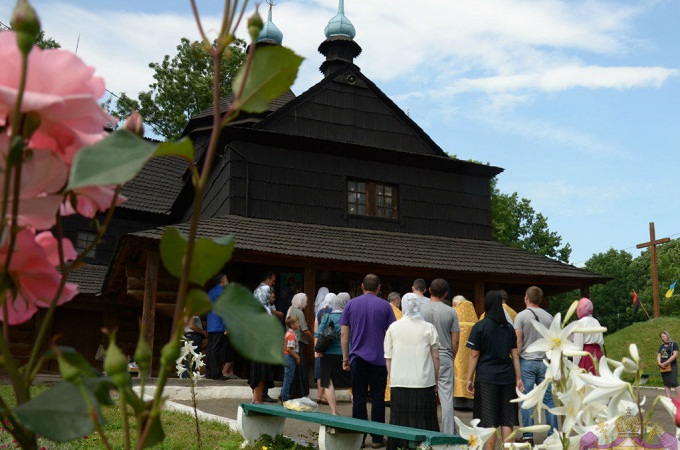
(273, 70)
(198, 302)
(183, 148)
(256, 334)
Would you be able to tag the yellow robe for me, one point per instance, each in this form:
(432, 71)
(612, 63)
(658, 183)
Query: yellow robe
(467, 317)
(388, 393)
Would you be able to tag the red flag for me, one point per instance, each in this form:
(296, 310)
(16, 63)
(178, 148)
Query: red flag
(636, 302)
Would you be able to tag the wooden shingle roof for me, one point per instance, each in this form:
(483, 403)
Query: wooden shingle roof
(382, 248)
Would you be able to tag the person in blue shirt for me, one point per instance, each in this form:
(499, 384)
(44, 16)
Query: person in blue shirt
(216, 352)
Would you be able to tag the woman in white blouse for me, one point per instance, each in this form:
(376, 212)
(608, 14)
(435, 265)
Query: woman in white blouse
(412, 357)
(592, 343)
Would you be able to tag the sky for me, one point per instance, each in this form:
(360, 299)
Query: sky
(578, 100)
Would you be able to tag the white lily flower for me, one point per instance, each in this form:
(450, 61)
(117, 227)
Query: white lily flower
(534, 429)
(555, 340)
(198, 361)
(196, 376)
(668, 404)
(533, 397)
(634, 353)
(575, 353)
(608, 386)
(604, 430)
(180, 369)
(475, 435)
(554, 442)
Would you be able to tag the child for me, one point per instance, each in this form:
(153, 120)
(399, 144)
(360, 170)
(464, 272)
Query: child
(290, 355)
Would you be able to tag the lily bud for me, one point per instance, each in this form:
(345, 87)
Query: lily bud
(255, 25)
(135, 124)
(26, 23)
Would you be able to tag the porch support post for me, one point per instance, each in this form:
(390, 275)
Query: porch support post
(150, 294)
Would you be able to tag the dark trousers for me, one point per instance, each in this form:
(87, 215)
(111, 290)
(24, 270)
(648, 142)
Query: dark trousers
(215, 354)
(365, 375)
(300, 385)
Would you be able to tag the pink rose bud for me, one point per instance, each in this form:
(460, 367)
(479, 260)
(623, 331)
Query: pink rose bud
(676, 402)
(135, 124)
(26, 23)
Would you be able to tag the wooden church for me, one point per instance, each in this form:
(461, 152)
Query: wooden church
(325, 187)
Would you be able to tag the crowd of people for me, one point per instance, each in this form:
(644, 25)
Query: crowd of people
(413, 353)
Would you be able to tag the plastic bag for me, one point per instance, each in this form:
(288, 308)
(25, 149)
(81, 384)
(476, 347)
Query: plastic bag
(301, 404)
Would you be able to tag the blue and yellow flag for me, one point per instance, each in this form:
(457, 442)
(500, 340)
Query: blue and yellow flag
(671, 290)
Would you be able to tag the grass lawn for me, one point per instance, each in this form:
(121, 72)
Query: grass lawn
(646, 336)
(179, 429)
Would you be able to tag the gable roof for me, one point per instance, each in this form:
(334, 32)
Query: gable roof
(347, 107)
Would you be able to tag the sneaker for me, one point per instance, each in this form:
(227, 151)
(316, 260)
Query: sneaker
(268, 399)
(525, 440)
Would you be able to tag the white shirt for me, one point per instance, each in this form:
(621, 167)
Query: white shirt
(581, 339)
(409, 343)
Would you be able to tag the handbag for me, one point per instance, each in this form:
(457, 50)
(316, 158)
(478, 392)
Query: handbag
(666, 369)
(326, 337)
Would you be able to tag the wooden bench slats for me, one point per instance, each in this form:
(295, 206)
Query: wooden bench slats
(356, 425)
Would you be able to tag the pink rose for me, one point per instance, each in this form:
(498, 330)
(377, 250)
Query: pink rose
(43, 177)
(61, 89)
(91, 200)
(35, 279)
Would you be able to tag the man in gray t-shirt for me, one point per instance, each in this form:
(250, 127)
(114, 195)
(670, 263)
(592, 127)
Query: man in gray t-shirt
(531, 364)
(445, 320)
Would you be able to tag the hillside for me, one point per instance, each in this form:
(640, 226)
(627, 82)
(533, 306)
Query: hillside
(646, 336)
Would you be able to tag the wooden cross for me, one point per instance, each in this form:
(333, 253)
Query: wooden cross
(655, 278)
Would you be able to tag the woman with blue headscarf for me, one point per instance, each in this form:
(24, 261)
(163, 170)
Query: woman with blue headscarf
(412, 356)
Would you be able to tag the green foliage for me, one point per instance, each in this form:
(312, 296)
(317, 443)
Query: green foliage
(613, 301)
(182, 88)
(45, 42)
(515, 222)
(252, 331)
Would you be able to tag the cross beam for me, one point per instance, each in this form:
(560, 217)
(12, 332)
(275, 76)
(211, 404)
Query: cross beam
(653, 242)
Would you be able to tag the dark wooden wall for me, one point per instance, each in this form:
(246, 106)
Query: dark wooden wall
(309, 187)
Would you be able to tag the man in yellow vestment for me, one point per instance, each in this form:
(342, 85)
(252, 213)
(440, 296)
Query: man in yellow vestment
(467, 317)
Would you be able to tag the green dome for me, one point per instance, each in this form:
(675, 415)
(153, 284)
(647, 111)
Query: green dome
(340, 24)
(269, 31)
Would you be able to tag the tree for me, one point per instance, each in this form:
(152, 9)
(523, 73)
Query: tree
(45, 42)
(515, 222)
(182, 88)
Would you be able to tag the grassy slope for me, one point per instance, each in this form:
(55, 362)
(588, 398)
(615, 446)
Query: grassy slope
(646, 336)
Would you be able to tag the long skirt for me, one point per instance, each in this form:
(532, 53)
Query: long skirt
(412, 407)
(670, 379)
(586, 362)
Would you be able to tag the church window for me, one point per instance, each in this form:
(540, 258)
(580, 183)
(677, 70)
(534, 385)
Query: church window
(373, 199)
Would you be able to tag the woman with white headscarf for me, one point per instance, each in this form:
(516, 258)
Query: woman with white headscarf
(305, 337)
(332, 375)
(320, 296)
(412, 356)
(324, 307)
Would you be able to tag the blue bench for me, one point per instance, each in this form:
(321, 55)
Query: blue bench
(337, 432)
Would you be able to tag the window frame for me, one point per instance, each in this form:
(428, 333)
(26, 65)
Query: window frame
(371, 199)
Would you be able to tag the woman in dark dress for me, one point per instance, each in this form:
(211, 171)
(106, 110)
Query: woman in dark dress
(667, 358)
(491, 342)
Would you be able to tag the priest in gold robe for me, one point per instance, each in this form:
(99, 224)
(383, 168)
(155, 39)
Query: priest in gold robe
(467, 317)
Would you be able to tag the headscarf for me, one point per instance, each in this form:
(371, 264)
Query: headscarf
(327, 301)
(584, 308)
(340, 301)
(299, 300)
(320, 295)
(493, 307)
(668, 335)
(410, 306)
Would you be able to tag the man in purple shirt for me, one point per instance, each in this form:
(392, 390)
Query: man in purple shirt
(365, 319)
